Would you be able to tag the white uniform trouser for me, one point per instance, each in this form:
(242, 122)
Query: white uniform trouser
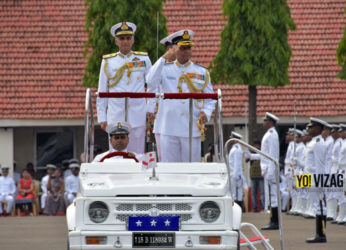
(136, 140)
(176, 149)
(158, 145)
(70, 198)
(43, 200)
(237, 188)
(10, 201)
(285, 196)
(270, 194)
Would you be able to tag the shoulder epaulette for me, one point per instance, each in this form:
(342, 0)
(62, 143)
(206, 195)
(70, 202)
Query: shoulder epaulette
(169, 62)
(109, 55)
(140, 53)
(318, 139)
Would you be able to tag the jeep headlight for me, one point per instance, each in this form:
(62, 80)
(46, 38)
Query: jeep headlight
(209, 211)
(98, 211)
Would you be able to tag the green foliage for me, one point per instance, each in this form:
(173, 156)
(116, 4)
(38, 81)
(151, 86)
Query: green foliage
(254, 48)
(341, 55)
(101, 15)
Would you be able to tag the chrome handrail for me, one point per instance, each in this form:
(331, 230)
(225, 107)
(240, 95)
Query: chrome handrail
(244, 144)
(88, 128)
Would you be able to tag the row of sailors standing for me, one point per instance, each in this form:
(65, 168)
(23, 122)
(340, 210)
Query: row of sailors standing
(128, 71)
(324, 153)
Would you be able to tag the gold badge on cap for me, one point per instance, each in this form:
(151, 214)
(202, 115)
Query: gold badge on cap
(119, 124)
(186, 35)
(124, 26)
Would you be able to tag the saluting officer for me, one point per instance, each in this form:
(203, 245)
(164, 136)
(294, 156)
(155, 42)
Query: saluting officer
(124, 71)
(179, 76)
(315, 163)
(167, 42)
(270, 146)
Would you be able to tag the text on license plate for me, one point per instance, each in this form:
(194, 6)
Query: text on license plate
(153, 240)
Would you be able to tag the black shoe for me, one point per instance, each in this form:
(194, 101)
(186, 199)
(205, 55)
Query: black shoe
(329, 218)
(341, 223)
(317, 239)
(334, 222)
(308, 217)
(271, 226)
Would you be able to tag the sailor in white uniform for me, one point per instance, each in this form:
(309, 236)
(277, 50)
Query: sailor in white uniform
(119, 139)
(270, 146)
(315, 163)
(235, 164)
(167, 42)
(124, 71)
(181, 76)
(341, 218)
(72, 184)
(7, 190)
(50, 170)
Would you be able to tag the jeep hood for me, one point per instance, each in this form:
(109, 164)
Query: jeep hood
(126, 178)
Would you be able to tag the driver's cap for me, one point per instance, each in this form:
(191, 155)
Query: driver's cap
(118, 128)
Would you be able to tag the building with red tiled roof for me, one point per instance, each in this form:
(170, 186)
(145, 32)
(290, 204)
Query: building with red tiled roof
(42, 64)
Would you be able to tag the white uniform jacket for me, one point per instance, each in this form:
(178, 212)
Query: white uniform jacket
(335, 153)
(300, 155)
(315, 156)
(329, 153)
(236, 161)
(175, 113)
(289, 153)
(72, 184)
(7, 185)
(113, 109)
(270, 146)
(342, 155)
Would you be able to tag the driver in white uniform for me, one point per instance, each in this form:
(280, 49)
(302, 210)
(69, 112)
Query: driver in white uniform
(119, 139)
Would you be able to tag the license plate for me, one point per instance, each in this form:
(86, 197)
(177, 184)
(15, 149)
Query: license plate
(153, 240)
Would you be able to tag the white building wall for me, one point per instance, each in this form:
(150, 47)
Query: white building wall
(6, 148)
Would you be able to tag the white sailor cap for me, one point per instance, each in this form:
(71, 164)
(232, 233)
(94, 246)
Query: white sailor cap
(74, 165)
(290, 131)
(316, 122)
(52, 166)
(183, 37)
(73, 160)
(123, 28)
(298, 132)
(305, 132)
(118, 128)
(4, 169)
(342, 127)
(236, 135)
(335, 128)
(270, 117)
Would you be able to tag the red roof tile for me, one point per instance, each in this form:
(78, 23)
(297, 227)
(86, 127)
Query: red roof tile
(42, 64)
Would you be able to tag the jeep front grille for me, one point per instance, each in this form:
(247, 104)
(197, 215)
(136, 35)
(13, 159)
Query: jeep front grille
(123, 211)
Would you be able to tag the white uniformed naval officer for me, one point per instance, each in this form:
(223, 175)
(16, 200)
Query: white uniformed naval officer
(341, 218)
(72, 184)
(235, 164)
(167, 42)
(179, 76)
(50, 170)
(119, 139)
(270, 146)
(333, 197)
(315, 163)
(124, 71)
(298, 161)
(7, 190)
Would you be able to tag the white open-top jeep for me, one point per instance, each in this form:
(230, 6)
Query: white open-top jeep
(121, 205)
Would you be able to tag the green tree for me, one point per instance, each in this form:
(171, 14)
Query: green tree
(341, 55)
(254, 48)
(101, 15)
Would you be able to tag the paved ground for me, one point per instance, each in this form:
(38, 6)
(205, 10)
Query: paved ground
(49, 233)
